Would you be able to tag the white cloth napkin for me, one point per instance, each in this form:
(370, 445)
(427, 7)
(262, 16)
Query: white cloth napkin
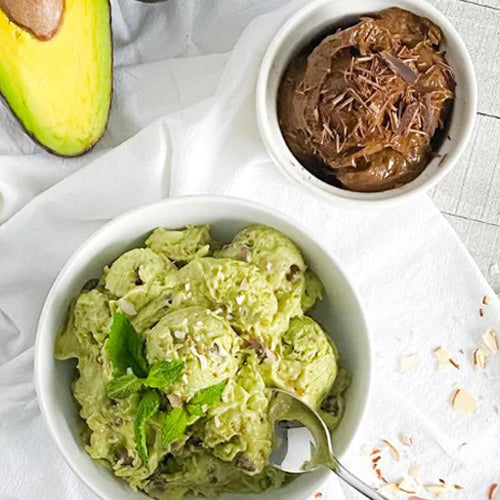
(419, 286)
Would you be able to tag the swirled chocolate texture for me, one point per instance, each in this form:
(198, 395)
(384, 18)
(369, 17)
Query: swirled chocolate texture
(361, 109)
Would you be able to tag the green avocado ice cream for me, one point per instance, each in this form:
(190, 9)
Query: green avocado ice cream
(176, 346)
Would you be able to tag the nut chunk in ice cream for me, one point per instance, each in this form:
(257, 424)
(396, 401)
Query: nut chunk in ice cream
(361, 110)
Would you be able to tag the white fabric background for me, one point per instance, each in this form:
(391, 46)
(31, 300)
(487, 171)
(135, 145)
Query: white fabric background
(183, 122)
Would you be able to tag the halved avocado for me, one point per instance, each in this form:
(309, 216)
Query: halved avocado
(60, 89)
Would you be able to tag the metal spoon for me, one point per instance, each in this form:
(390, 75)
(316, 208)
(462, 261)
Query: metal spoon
(302, 442)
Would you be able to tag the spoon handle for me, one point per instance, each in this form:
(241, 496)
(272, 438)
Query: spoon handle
(356, 483)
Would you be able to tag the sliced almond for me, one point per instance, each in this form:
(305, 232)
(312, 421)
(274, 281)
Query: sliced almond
(440, 490)
(462, 401)
(389, 488)
(406, 363)
(380, 476)
(405, 439)
(392, 449)
(479, 358)
(414, 470)
(490, 340)
(442, 354)
(492, 490)
(444, 358)
(406, 487)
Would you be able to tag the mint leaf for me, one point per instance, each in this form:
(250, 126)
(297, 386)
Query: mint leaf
(148, 407)
(209, 395)
(123, 386)
(164, 373)
(125, 348)
(174, 425)
(195, 409)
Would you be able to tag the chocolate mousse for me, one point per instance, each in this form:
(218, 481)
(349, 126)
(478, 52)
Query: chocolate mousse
(362, 108)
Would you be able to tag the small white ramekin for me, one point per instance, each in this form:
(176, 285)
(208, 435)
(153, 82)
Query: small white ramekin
(314, 18)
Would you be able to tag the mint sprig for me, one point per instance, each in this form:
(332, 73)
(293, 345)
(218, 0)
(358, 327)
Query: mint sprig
(147, 409)
(209, 395)
(205, 397)
(125, 348)
(164, 373)
(174, 425)
(123, 386)
(161, 376)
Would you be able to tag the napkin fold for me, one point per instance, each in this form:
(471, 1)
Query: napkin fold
(198, 134)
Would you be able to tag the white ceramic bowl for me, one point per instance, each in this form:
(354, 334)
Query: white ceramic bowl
(340, 312)
(316, 17)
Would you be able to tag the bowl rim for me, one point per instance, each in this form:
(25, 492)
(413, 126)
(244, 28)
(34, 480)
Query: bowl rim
(43, 339)
(283, 158)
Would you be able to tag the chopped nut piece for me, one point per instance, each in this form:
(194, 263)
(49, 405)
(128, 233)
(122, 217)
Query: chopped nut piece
(127, 307)
(479, 358)
(491, 491)
(179, 335)
(392, 449)
(318, 494)
(490, 340)
(481, 312)
(408, 362)
(174, 400)
(463, 402)
(375, 451)
(458, 487)
(486, 300)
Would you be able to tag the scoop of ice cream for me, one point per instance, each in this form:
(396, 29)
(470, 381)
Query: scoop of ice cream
(306, 362)
(134, 268)
(362, 107)
(235, 290)
(181, 245)
(204, 342)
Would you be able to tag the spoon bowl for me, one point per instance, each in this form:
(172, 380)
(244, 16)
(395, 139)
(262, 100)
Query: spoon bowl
(302, 442)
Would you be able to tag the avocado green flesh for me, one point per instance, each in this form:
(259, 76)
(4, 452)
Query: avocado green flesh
(60, 89)
(234, 314)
